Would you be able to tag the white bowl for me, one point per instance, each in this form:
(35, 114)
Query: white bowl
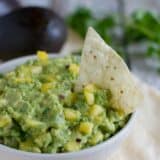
(100, 151)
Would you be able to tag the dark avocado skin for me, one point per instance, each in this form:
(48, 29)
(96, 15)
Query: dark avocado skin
(26, 30)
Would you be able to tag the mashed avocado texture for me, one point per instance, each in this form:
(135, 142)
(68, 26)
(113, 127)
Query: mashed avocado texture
(41, 112)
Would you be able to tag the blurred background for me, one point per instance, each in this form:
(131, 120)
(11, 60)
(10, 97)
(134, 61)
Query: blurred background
(130, 27)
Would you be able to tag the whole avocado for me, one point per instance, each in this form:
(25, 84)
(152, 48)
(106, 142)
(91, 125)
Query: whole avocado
(26, 30)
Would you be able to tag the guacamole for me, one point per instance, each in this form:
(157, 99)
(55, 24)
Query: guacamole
(41, 112)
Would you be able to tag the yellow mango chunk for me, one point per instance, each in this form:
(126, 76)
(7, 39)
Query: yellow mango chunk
(70, 99)
(95, 110)
(89, 97)
(42, 55)
(86, 127)
(89, 88)
(72, 146)
(46, 86)
(98, 137)
(74, 68)
(29, 146)
(71, 115)
(5, 121)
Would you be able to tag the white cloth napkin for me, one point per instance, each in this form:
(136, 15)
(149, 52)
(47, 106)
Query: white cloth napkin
(143, 142)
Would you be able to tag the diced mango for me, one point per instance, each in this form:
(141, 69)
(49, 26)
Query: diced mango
(98, 119)
(70, 99)
(34, 123)
(29, 146)
(95, 110)
(50, 78)
(89, 88)
(73, 97)
(89, 97)
(43, 140)
(72, 146)
(42, 55)
(5, 121)
(98, 137)
(86, 127)
(71, 115)
(46, 86)
(74, 68)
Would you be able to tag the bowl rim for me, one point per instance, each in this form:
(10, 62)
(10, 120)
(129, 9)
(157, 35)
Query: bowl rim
(18, 61)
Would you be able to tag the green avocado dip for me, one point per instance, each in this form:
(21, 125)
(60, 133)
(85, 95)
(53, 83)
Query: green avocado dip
(40, 111)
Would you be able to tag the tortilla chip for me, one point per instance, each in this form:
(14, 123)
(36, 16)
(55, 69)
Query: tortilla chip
(101, 65)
